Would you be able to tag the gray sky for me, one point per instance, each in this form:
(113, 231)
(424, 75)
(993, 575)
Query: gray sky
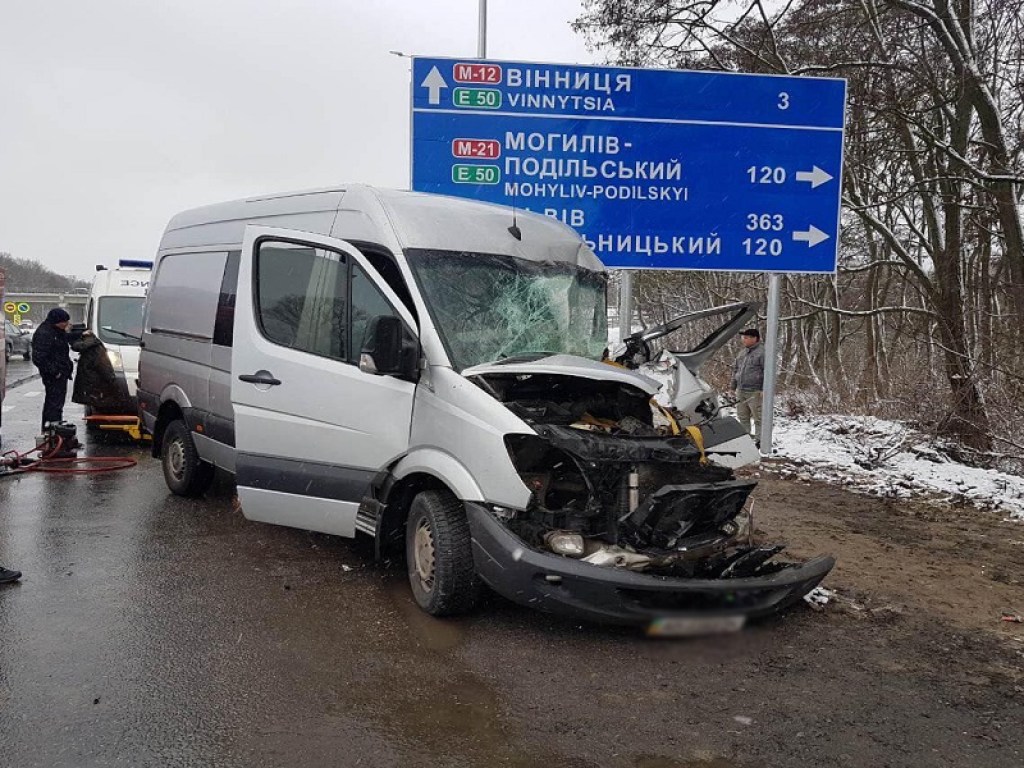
(116, 114)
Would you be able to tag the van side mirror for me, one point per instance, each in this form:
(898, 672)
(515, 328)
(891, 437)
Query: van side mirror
(388, 349)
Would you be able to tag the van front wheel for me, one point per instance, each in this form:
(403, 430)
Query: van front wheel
(440, 556)
(184, 472)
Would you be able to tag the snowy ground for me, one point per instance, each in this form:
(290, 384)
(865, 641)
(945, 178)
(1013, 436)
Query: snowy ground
(886, 458)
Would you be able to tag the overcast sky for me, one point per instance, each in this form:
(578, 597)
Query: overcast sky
(116, 114)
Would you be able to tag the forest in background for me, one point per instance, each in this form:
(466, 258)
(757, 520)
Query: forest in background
(28, 276)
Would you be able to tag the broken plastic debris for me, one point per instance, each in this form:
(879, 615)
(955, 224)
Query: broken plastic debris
(743, 719)
(346, 568)
(1013, 618)
(819, 597)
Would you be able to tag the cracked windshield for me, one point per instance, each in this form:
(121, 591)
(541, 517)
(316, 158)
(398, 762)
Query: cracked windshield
(490, 307)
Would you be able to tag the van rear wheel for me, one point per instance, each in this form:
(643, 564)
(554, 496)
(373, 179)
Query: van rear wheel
(184, 472)
(440, 556)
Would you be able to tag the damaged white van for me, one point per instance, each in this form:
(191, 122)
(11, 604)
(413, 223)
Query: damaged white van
(427, 371)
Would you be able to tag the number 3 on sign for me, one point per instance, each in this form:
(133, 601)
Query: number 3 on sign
(783, 100)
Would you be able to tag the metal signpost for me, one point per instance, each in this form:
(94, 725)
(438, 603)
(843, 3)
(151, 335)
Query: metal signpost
(657, 169)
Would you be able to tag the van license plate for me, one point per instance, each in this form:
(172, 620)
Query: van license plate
(694, 626)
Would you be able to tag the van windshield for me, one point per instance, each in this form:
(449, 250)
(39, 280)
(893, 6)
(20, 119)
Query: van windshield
(119, 320)
(488, 307)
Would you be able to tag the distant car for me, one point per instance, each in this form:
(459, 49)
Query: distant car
(16, 342)
(27, 325)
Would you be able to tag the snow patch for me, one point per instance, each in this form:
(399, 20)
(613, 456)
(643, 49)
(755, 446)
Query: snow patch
(888, 459)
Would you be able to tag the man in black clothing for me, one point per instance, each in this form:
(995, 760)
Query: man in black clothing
(51, 354)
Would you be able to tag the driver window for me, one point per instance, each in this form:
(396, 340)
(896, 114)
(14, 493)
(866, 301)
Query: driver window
(304, 296)
(367, 303)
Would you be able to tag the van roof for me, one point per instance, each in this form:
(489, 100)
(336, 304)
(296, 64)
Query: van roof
(121, 281)
(394, 218)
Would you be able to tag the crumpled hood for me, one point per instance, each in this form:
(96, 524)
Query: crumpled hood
(568, 365)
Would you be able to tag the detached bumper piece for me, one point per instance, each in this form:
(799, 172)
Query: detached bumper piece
(569, 587)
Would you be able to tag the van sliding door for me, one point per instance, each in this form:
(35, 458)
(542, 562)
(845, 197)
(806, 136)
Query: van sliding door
(311, 428)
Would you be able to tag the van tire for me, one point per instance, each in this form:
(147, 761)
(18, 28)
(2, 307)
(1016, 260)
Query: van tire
(184, 472)
(439, 555)
(26, 355)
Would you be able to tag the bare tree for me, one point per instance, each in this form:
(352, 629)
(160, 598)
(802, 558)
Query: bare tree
(932, 258)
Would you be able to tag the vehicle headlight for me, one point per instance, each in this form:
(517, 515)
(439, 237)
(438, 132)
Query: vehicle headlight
(564, 543)
(115, 357)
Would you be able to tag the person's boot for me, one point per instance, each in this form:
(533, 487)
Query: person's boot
(8, 576)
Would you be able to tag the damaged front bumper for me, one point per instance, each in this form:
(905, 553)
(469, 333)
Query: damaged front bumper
(565, 586)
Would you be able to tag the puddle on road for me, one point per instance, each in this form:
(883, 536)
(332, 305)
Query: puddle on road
(423, 698)
(433, 634)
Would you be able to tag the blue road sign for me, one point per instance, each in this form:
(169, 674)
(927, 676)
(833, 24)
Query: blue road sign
(660, 169)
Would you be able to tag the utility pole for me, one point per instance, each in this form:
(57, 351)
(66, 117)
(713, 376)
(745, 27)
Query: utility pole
(481, 35)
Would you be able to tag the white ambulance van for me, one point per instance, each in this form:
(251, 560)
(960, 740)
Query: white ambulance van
(114, 314)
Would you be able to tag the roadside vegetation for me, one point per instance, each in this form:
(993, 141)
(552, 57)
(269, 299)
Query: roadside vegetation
(28, 276)
(921, 322)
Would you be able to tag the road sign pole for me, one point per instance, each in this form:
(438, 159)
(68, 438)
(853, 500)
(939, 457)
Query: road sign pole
(481, 35)
(625, 303)
(770, 365)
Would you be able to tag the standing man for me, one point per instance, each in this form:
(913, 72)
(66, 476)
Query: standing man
(748, 381)
(51, 354)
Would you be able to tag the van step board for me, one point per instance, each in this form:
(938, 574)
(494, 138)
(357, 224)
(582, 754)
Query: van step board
(366, 516)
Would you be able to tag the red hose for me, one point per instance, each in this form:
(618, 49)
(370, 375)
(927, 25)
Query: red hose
(64, 466)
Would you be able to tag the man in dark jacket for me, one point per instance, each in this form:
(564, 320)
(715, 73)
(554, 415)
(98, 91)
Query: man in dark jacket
(51, 354)
(748, 381)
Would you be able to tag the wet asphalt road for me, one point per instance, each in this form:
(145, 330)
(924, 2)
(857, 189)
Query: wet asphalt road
(155, 631)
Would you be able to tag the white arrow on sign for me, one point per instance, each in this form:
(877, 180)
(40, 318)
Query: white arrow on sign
(433, 82)
(816, 176)
(812, 236)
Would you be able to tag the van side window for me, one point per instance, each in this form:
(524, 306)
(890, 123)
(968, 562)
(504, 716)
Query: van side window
(224, 325)
(367, 303)
(302, 297)
(183, 300)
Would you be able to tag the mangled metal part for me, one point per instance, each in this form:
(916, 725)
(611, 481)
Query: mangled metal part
(674, 514)
(618, 557)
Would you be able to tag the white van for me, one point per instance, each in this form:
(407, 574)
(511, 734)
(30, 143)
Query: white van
(426, 371)
(114, 314)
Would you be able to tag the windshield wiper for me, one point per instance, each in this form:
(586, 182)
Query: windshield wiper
(121, 333)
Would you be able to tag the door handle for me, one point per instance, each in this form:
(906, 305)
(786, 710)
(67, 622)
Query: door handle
(260, 377)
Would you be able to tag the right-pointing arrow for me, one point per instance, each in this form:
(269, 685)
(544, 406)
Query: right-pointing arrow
(816, 176)
(812, 236)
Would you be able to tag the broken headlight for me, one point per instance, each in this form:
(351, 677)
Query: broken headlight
(550, 473)
(565, 543)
